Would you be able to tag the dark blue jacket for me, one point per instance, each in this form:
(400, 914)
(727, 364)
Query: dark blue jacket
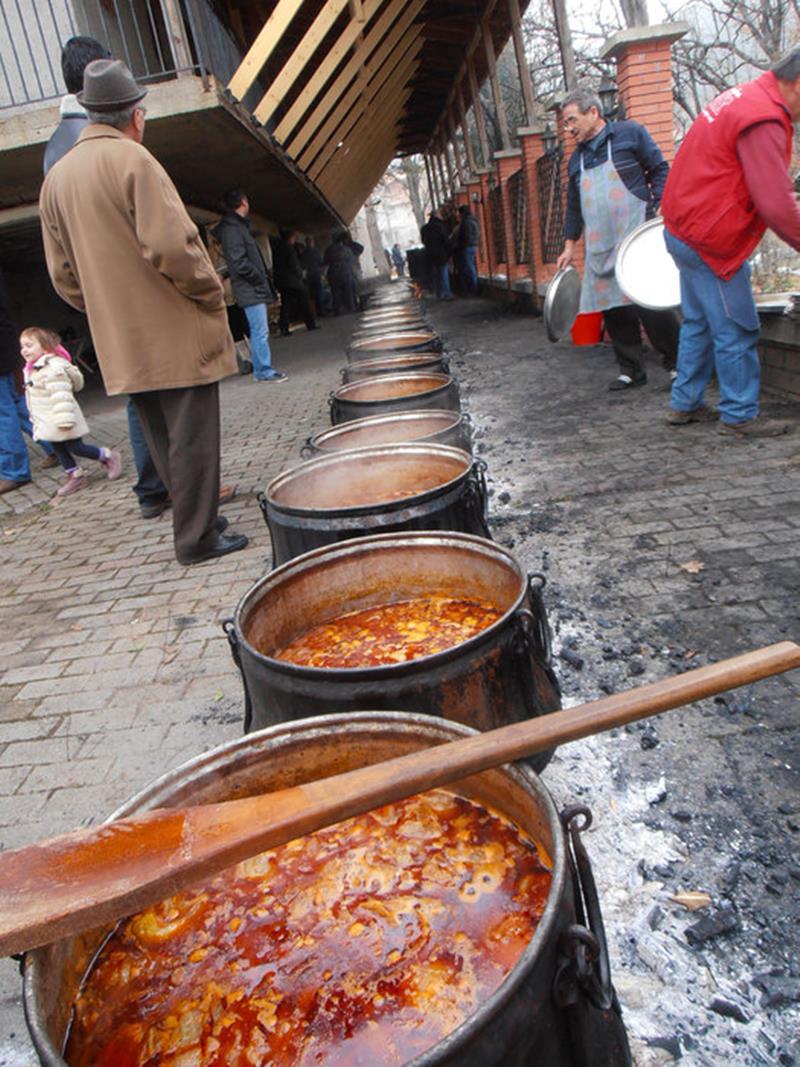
(250, 278)
(64, 137)
(638, 160)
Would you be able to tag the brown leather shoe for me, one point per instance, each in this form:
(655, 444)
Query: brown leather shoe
(6, 485)
(226, 493)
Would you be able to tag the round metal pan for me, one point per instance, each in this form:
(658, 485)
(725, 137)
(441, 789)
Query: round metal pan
(561, 303)
(646, 272)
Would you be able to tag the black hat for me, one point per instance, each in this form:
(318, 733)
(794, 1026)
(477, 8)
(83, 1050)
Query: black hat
(108, 85)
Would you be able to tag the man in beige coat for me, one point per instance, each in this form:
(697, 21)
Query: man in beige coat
(121, 247)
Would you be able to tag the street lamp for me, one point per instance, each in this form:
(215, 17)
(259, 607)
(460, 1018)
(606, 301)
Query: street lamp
(549, 140)
(607, 91)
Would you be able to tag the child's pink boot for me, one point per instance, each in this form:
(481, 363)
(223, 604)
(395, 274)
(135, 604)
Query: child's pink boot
(113, 464)
(76, 479)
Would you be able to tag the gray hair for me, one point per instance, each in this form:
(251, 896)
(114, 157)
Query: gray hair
(787, 69)
(584, 98)
(118, 119)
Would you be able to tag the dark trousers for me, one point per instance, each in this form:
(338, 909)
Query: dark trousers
(343, 291)
(624, 325)
(295, 299)
(149, 488)
(67, 450)
(182, 428)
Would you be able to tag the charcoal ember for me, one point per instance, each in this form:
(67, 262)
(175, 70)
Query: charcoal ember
(729, 1010)
(572, 658)
(710, 926)
(649, 739)
(778, 990)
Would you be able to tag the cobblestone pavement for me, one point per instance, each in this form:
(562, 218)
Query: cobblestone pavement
(115, 668)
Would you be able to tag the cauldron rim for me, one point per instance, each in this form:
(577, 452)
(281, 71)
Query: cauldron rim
(367, 421)
(443, 381)
(344, 456)
(383, 670)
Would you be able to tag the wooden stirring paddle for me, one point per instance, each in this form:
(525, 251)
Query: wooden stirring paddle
(67, 884)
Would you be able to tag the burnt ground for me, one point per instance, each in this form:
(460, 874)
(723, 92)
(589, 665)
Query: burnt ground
(596, 491)
(664, 548)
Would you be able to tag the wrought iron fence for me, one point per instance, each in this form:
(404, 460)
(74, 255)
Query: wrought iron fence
(518, 198)
(157, 39)
(551, 204)
(498, 226)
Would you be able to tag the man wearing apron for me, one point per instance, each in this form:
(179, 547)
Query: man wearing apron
(616, 176)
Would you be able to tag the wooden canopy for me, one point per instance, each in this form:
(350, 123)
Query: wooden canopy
(347, 85)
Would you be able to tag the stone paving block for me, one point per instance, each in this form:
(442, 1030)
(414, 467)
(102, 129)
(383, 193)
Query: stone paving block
(32, 673)
(69, 775)
(11, 778)
(40, 751)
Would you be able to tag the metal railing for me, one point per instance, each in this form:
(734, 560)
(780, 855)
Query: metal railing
(157, 40)
(551, 204)
(518, 197)
(498, 225)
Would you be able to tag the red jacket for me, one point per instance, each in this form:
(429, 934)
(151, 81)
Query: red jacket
(706, 201)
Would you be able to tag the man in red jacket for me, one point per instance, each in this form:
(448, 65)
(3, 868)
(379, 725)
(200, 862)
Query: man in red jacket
(728, 184)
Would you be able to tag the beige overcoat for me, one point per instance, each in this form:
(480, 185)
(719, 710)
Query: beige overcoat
(120, 246)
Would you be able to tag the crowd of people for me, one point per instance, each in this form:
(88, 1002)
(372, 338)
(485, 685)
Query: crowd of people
(122, 249)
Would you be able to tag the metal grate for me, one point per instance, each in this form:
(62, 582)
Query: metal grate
(141, 32)
(517, 195)
(498, 226)
(551, 205)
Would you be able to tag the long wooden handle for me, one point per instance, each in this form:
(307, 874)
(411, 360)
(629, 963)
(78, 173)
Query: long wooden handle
(89, 878)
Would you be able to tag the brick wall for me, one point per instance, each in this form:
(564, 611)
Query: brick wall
(779, 349)
(644, 84)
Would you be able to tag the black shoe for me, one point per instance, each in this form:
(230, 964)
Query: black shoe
(152, 511)
(624, 381)
(220, 546)
(221, 523)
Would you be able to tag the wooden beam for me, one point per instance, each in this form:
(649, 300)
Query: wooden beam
(454, 141)
(382, 39)
(477, 108)
(394, 73)
(428, 173)
(355, 121)
(357, 11)
(522, 63)
(497, 96)
(462, 112)
(371, 143)
(299, 59)
(263, 47)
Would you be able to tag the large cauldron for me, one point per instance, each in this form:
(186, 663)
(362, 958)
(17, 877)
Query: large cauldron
(542, 1012)
(394, 364)
(429, 427)
(376, 489)
(398, 341)
(501, 675)
(391, 393)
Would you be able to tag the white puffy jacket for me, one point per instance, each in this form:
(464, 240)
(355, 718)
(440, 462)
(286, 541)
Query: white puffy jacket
(54, 411)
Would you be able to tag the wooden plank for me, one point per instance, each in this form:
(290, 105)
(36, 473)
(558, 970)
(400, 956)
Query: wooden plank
(382, 40)
(357, 100)
(364, 139)
(497, 96)
(357, 11)
(263, 47)
(352, 177)
(356, 187)
(329, 63)
(522, 62)
(354, 121)
(299, 59)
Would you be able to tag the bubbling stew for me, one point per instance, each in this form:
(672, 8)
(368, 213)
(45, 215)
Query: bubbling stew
(364, 943)
(390, 633)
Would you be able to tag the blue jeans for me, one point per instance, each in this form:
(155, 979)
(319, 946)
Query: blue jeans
(149, 488)
(259, 343)
(469, 265)
(719, 332)
(14, 463)
(27, 427)
(442, 276)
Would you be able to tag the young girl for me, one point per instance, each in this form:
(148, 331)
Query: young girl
(50, 380)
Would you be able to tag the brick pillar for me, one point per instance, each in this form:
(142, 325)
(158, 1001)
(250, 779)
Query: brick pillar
(530, 142)
(643, 56)
(486, 261)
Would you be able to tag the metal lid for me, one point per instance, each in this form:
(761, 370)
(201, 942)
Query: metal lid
(561, 302)
(646, 272)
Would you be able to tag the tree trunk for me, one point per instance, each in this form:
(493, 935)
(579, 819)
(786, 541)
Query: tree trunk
(634, 12)
(412, 173)
(565, 44)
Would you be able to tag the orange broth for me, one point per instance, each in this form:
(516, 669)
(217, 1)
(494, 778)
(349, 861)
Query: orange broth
(390, 633)
(364, 943)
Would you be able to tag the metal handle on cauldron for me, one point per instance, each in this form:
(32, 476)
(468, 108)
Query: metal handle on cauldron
(583, 943)
(445, 365)
(261, 497)
(233, 640)
(307, 449)
(540, 629)
(476, 495)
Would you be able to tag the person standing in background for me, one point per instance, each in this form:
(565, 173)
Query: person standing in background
(616, 177)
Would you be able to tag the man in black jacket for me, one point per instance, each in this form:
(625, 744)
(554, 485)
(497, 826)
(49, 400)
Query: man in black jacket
(436, 238)
(250, 280)
(291, 283)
